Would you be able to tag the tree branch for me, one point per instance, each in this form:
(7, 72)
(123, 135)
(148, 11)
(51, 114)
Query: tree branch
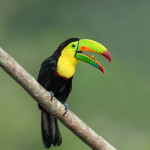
(70, 120)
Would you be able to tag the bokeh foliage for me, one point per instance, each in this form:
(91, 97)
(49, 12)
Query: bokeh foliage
(115, 105)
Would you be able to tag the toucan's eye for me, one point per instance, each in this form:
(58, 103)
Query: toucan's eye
(73, 45)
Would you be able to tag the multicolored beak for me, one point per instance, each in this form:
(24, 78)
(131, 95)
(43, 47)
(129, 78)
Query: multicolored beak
(91, 46)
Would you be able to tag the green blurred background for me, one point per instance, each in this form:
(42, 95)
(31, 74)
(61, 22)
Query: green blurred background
(116, 105)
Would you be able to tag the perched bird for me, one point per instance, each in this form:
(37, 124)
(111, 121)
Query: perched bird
(56, 76)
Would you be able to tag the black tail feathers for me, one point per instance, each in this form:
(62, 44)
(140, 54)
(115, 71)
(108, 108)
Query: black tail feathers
(50, 130)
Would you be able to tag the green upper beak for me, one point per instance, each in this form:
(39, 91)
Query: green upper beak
(91, 46)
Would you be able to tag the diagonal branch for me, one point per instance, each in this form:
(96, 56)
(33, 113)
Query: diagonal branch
(70, 120)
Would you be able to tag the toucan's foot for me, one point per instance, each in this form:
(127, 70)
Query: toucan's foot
(66, 107)
(52, 94)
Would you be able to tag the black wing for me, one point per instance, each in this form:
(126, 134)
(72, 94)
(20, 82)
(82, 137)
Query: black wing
(49, 125)
(47, 72)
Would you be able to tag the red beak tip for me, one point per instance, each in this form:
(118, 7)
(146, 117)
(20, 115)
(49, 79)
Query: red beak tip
(107, 55)
(102, 70)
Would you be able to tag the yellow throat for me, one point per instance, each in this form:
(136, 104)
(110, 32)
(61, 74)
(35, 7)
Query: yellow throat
(67, 62)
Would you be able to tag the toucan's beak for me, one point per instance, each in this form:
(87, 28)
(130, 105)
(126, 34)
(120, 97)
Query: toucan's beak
(91, 46)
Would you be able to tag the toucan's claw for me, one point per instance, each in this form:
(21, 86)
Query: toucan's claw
(66, 107)
(52, 94)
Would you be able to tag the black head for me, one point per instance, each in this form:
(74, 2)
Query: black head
(57, 53)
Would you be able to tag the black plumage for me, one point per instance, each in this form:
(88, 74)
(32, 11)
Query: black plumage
(61, 87)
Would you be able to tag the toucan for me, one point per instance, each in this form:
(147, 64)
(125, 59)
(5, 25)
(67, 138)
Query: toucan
(56, 74)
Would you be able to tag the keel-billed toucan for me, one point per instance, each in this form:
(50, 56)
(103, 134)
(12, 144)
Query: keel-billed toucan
(56, 76)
